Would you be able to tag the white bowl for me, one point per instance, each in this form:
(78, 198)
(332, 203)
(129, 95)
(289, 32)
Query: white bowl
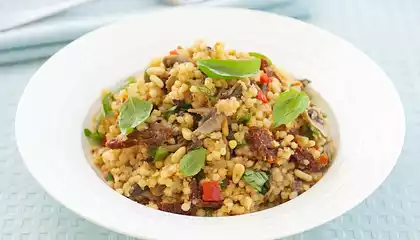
(58, 99)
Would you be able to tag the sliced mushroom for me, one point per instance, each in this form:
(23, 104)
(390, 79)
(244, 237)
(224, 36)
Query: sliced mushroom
(315, 119)
(213, 123)
(170, 82)
(173, 148)
(305, 82)
(234, 91)
(170, 60)
(202, 111)
(196, 143)
(329, 149)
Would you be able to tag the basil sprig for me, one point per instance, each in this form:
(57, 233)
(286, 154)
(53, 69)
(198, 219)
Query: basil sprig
(256, 179)
(288, 106)
(229, 69)
(193, 162)
(133, 112)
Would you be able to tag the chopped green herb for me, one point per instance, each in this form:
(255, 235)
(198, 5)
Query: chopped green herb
(106, 104)
(260, 56)
(152, 151)
(244, 119)
(229, 69)
(310, 132)
(256, 179)
(184, 106)
(242, 144)
(160, 154)
(109, 177)
(224, 183)
(288, 106)
(169, 112)
(176, 109)
(193, 162)
(95, 138)
(133, 112)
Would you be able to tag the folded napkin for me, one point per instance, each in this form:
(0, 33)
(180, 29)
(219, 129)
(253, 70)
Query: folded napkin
(44, 38)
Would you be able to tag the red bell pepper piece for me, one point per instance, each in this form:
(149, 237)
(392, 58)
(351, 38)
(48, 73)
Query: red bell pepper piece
(261, 96)
(211, 191)
(264, 78)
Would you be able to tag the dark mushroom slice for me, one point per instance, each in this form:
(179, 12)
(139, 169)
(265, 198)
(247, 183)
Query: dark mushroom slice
(169, 61)
(212, 124)
(315, 119)
(234, 91)
(142, 195)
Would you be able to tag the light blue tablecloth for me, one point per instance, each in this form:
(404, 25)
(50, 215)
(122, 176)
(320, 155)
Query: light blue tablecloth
(385, 29)
(44, 38)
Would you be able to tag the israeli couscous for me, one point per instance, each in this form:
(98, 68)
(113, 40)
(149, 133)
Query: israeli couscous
(206, 131)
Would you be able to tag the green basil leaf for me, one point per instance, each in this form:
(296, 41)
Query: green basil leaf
(256, 179)
(260, 56)
(106, 104)
(288, 106)
(109, 177)
(160, 154)
(229, 69)
(95, 138)
(133, 112)
(193, 162)
(244, 119)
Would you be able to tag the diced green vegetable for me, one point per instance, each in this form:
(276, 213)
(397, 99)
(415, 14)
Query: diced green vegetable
(109, 177)
(169, 112)
(244, 119)
(260, 56)
(106, 104)
(152, 151)
(133, 112)
(224, 183)
(193, 162)
(160, 154)
(288, 106)
(205, 90)
(229, 69)
(256, 179)
(310, 132)
(176, 109)
(95, 138)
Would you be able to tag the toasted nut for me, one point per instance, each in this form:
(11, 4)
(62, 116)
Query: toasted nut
(237, 172)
